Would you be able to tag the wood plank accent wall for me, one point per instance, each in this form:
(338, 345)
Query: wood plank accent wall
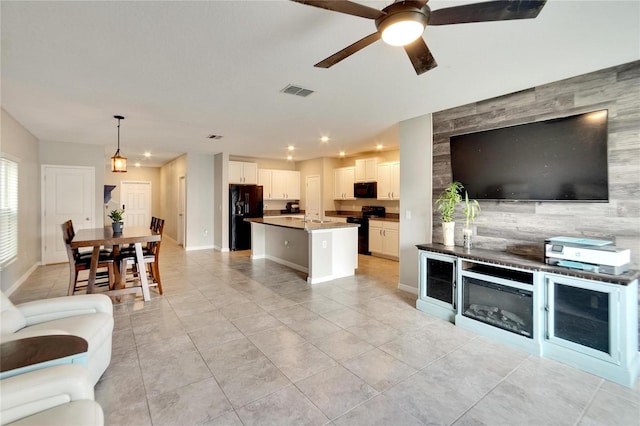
(521, 227)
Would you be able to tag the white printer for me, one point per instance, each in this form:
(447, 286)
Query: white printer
(586, 254)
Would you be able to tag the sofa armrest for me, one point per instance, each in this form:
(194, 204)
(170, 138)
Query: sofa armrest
(43, 310)
(29, 393)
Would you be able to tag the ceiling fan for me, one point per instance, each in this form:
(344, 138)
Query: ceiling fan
(403, 22)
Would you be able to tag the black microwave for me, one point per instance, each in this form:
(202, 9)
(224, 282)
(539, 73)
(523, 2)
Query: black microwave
(365, 190)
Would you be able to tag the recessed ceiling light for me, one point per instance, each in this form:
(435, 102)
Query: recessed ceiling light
(341, 153)
(137, 164)
(147, 154)
(324, 139)
(291, 148)
(289, 157)
(379, 147)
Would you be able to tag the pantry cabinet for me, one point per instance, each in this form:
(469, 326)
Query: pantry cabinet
(389, 181)
(343, 180)
(243, 173)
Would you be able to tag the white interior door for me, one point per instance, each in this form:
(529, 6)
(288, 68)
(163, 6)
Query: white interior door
(136, 199)
(182, 189)
(312, 197)
(67, 193)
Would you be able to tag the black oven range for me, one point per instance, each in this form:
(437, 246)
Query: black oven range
(367, 213)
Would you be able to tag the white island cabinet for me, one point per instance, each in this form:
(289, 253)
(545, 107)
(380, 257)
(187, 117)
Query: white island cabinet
(324, 250)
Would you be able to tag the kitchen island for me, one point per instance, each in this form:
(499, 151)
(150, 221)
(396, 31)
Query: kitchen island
(324, 250)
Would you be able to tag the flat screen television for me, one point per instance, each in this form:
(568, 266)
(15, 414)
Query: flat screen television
(563, 159)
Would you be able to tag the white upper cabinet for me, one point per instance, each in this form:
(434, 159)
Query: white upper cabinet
(264, 179)
(280, 184)
(243, 173)
(389, 181)
(366, 170)
(343, 180)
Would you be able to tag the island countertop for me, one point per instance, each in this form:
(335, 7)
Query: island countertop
(299, 223)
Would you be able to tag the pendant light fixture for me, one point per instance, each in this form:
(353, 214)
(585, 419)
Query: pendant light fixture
(118, 162)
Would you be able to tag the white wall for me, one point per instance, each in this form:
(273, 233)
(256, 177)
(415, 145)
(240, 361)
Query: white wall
(221, 202)
(416, 141)
(17, 142)
(136, 174)
(170, 175)
(200, 204)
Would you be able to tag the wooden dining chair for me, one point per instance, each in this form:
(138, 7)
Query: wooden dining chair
(82, 262)
(151, 254)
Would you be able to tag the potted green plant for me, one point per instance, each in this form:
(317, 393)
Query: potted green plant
(471, 210)
(446, 204)
(116, 216)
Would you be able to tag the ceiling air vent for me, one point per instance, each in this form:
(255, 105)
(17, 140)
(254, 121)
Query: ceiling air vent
(215, 137)
(298, 91)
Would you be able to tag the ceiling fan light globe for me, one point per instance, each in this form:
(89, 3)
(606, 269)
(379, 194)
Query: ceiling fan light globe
(401, 33)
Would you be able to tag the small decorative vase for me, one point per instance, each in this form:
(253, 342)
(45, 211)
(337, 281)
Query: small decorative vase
(467, 238)
(448, 233)
(117, 227)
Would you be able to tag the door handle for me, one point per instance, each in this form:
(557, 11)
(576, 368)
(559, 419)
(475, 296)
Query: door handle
(86, 218)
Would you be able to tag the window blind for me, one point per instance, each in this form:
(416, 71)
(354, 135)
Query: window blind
(8, 211)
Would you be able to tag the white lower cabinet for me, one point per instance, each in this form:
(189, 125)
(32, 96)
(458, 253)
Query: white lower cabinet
(384, 238)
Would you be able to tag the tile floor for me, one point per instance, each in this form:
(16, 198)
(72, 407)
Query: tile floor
(241, 342)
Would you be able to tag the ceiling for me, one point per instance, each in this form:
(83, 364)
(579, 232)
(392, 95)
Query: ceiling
(181, 71)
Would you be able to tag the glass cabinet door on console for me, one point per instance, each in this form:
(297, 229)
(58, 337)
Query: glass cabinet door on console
(583, 315)
(437, 293)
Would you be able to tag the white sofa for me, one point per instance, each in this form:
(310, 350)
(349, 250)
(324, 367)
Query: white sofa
(89, 316)
(59, 395)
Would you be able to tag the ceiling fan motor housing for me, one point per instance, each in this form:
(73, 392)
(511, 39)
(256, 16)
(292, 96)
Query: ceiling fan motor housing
(403, 11)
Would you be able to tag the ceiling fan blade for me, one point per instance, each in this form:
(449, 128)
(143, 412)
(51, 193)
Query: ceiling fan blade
(499, 10)
(348, 51)
(344, 6)
(420, 56)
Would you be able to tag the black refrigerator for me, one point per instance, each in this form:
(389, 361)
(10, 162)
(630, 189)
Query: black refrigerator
(245, 201)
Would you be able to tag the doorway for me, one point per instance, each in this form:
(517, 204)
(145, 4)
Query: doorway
(136, 199)
(182, 191)
(68, 193)
(312, 197)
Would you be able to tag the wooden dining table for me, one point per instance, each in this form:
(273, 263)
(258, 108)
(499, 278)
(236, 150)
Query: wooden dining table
(101, 237)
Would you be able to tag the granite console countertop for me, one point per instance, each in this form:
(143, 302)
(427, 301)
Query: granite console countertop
(530, 261)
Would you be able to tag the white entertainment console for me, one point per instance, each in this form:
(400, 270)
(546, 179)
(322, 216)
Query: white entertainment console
(583, 319)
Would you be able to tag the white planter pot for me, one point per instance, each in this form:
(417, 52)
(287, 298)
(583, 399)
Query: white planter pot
(448, 233)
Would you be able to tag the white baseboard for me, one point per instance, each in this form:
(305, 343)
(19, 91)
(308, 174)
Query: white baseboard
(408, 288)
(199, 248)
(166, 237)
(22, 279)
(286, 263)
